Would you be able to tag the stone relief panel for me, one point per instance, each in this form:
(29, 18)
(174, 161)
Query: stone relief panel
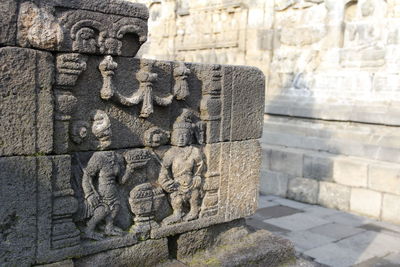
(60, 26)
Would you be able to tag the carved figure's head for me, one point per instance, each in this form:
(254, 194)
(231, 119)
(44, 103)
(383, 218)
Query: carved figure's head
(86, 33)
(182, 130)
(101, 128)
(155, 137)
(367, 8)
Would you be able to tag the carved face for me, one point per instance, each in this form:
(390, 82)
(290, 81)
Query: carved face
(181, 137)
(86, 33)
(367, 9)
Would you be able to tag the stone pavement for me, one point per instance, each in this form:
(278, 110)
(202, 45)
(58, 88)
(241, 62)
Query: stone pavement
(329, 237)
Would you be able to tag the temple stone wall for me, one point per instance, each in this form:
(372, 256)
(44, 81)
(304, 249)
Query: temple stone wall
(331, 133)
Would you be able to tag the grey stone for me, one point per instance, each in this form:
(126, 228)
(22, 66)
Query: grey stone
(147, 253)
(275, 212)
(319, 168)
(274, 183)
(336, 231)
(334, 196)
(304, 190)
(297, 222)
(107, 27)
(26, 102)
(8, 23)
(233, 244)
(306, 240)
(287, 161)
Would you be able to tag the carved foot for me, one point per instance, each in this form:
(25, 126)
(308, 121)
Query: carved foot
(93, 235)
(192, 215)
(174, 218)
(113, 231)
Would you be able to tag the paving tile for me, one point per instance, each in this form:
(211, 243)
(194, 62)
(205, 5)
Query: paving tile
(258, 224)
(372, 243)
(320, 211)
(306, 240)
(297, 222)
(276, 212)
(264, 203)
(292, 204)
(333, 255)
(389, 226)
(348, 219)
(393, 258)
(377, 262)
(269, 197)
(336, 231)
(379, 228)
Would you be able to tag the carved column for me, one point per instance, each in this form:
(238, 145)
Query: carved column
(68, 67)
(210, 113)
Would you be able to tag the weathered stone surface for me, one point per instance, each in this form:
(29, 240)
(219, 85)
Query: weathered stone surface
(384, 178)
(304, 190)
(390, 208)
(286, 161)
(334, 196)
(147, 253)
(319, 168)
(104, 155)
(107, 27)
(232, 244)
(356, 170)
(366, 202)
(274, 183)
(26, 103)
(8, 23)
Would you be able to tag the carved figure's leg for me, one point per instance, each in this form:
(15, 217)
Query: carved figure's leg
(194, 206)
(177, 206)
(111, 229)
(98, 215)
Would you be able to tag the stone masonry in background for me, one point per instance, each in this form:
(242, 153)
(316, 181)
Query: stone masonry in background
(107, 159)
(331, 132)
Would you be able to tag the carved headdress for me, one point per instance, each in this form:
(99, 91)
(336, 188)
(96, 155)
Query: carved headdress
(184, 121)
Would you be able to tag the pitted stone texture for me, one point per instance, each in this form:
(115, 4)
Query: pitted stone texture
(26, 102)
(304, 190)
(147, 253)
(241, 182)
(8, 22)
(233, 244)
(104, 27)
(334, 196)
(239, 113)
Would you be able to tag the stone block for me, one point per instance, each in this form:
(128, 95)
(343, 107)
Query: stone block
(391, 208)
(107, 27)
(351, 172)
(320, 168)
(146, 253)
(8, 23)
(247, 109)
(304, 190)
(287, 161)
(274, 183)
(232, 244)
(243, 179)
(334, 196)
(384, 178)
(366, 202)
(26, 102)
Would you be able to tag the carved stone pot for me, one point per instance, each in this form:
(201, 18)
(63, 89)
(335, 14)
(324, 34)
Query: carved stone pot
(145, 200)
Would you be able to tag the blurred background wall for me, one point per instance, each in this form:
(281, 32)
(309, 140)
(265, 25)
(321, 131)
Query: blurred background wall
(331, 132)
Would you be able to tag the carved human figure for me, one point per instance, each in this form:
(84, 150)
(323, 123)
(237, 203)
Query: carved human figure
(182, 170)
(181, 87)
(104, 171)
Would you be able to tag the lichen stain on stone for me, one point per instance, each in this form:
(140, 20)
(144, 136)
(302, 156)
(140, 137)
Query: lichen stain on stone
(39, 28)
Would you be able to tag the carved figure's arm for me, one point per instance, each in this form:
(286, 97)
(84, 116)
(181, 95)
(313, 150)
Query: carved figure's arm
(89, 174)
(164, 178)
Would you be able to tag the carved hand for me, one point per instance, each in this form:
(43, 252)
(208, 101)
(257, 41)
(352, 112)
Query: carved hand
(170, 186)
(93, 201)
(196, 182)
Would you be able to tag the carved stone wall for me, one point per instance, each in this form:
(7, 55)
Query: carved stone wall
(104, 155)
(333, 89)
